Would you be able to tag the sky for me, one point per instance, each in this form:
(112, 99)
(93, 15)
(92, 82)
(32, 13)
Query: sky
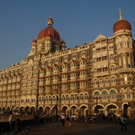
(77, 21)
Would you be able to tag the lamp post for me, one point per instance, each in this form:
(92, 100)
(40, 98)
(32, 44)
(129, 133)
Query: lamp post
(97, 98)
(56, 107)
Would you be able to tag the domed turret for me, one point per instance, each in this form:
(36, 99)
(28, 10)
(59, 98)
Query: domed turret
(121, 24)
(34, 41)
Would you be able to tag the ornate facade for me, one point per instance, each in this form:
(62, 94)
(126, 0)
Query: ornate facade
(92, 78)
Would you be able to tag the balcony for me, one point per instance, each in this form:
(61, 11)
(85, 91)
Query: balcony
(100, 74)
(125, 70)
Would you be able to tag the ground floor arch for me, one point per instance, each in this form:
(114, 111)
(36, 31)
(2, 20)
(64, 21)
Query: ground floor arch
(83, 110)
(33, 110)
(47, 110)
(73, 109)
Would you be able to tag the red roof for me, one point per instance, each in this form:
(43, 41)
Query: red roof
(121, 24)
(49, 32)
(34, 41)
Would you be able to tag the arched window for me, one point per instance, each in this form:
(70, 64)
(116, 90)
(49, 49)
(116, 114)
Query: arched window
(81, 97)
(96, 93)
(104, 95)
(43, 99)
(39, 99)
(113, 94)
(49, 98)
(63, 98)
(46, 99)
(72, 97)
(104, 92)
(113, 80)
(66, 97)
(75, 96)
(53, 98)
(86, 96)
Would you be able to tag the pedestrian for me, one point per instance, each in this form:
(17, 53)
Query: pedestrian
(10, 121)
(68, 121)
(123, 123)
(63, 119)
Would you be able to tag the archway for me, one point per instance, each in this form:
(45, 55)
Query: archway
(40, 109)
(98, 109)
(73, 109)
(27, 109)
(8, 109)
(65, 110)
(83, 111)
(4, 109)
(47, 110)
(22, 110)
(125, 110)
(111, 109)
(32, 110)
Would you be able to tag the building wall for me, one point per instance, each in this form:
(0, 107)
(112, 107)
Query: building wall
(92, 78)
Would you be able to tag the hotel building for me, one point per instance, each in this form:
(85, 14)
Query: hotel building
(91, 78)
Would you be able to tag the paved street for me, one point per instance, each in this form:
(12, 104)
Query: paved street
(76, 129)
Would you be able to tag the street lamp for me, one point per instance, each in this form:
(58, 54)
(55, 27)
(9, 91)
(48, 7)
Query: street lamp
(56, 107)
(96, 98)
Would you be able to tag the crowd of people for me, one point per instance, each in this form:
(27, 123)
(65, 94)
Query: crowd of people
(66, 119)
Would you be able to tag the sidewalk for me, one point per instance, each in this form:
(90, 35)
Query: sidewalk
(56, 128)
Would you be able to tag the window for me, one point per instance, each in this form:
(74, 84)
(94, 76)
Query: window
(39, 99)
(96, 93)
(123, 95)
(74, 56)
(53, 98)
(63, 98)
(49, 98)
(75, 96)
(113, 80)
(27, 100)
(86, 96)
(81, 97)
(46, 99)
(66, 97)
(128, 95)
(43, 99)
(72, 97)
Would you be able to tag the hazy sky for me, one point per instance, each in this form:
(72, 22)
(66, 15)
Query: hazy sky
(77, 21)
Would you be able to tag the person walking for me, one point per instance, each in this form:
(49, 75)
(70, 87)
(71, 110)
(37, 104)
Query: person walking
(10, 121)
(63, 119)
(68, 121)
(123, 123)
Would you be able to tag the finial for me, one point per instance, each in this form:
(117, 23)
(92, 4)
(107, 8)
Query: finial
(50, 16)
(120, 13)
(35, 37)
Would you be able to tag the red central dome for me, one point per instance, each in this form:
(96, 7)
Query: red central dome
(49, 32)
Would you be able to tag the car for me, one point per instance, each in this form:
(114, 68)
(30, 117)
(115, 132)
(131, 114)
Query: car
(91, 117)
(72, 116)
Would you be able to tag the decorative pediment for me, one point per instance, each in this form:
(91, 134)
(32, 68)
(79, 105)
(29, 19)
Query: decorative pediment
(100, 37)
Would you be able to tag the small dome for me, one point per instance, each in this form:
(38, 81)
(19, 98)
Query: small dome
(121, 24)
(34, 41)
(63, 42)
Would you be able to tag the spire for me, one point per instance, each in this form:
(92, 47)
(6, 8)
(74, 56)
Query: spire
(120, 14)
(50, 21)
